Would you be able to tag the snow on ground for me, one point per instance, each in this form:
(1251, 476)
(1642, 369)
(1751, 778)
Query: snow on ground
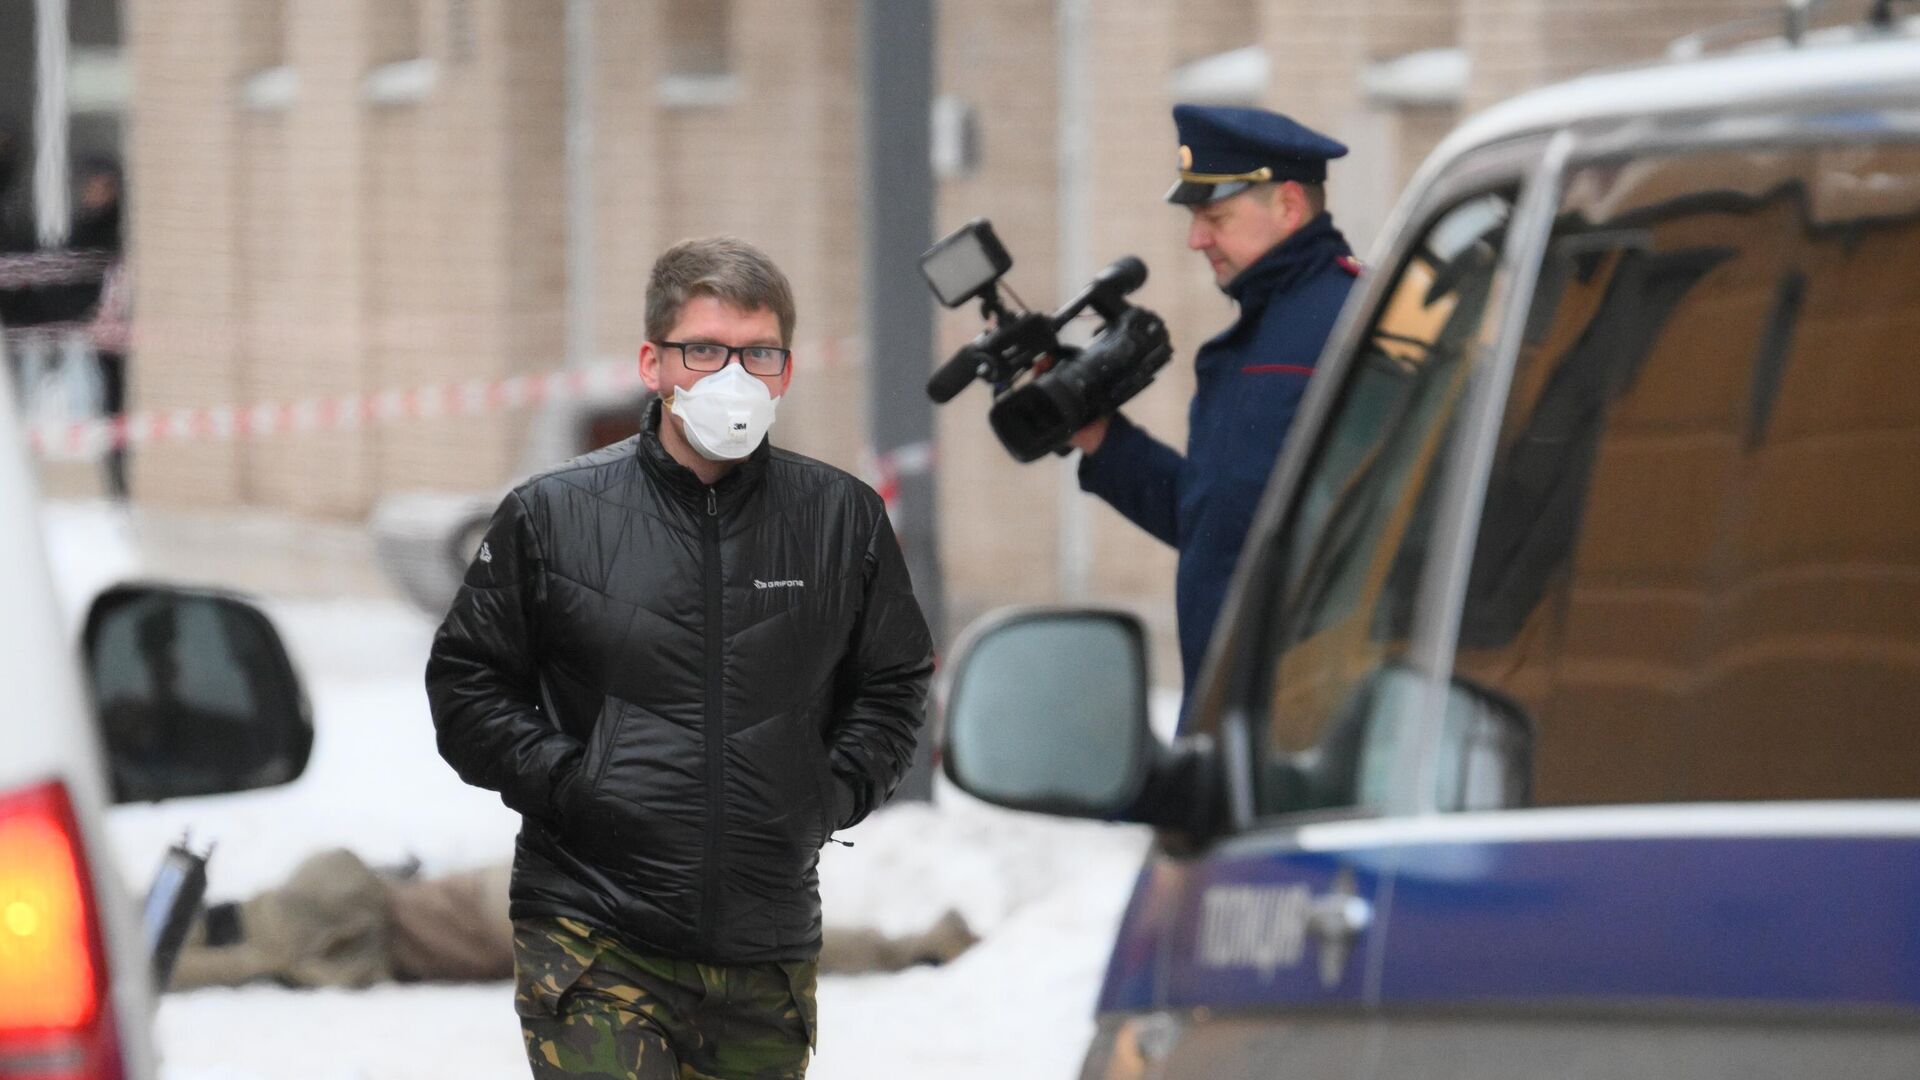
(1043, 894)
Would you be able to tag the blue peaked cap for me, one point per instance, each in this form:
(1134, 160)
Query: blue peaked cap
(1224, 150)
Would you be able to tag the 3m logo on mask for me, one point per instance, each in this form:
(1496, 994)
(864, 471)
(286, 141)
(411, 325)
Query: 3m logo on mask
(791, 583)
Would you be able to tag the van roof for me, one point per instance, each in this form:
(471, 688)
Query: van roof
(1834, 66)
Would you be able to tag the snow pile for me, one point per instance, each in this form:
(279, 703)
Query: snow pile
(1044, 896)
(90, 546)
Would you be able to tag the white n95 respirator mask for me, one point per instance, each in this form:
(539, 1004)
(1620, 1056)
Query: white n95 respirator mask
(724, 415)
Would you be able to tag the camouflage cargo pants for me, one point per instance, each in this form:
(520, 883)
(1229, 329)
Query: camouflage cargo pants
(590, 1007)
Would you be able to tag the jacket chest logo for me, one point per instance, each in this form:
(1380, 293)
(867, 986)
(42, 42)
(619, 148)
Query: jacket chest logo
(790, 583)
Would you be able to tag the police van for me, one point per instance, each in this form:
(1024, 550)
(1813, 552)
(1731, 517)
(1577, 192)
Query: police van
(182, 692)
(1564, 717)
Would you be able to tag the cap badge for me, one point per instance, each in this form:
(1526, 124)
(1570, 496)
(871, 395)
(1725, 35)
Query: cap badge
(1186, 157)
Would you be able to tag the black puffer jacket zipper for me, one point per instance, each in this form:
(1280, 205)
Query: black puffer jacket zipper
(715, 733)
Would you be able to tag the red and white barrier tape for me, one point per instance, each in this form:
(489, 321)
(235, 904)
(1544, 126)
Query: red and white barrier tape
(885, 471)
(44, 268)
(346, 412)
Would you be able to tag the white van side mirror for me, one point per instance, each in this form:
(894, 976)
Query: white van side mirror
(1046, 710)
(194, 694)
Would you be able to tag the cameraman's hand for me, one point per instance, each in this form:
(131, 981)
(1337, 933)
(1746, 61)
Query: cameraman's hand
(1088, 439)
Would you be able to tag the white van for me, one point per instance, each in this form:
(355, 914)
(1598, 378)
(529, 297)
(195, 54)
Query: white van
(191, 693)
(1564, 717)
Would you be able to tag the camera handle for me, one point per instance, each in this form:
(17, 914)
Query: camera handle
(1104, 293)
(996, 356)
(970, 359)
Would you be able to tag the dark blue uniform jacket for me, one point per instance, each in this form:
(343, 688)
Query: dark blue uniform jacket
(1251, 377)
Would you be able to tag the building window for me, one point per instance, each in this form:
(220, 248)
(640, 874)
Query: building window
(393, 31)
(697, 35)
(1698, 566)
(271, 83)
(400, 73)
(698, 63)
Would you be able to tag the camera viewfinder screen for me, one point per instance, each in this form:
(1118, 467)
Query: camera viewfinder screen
(960, 266)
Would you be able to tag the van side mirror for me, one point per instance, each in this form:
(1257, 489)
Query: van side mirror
(1046, 710)
(194, 694)
(1484, 755)
(1486, 751)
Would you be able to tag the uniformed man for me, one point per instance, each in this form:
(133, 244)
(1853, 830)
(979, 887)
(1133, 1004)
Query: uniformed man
(1255, 184)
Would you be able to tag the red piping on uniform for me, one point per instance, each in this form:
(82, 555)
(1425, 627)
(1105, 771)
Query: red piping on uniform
(1276, 369)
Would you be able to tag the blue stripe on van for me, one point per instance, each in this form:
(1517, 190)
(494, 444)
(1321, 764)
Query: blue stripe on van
(1655, 922)
(1796, 921)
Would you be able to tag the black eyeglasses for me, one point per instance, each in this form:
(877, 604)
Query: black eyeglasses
(709, 356)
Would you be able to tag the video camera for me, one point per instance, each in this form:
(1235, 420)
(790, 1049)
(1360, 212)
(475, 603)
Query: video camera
(1037, 407)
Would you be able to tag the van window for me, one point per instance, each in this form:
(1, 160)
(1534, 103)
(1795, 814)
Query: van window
(1697, 575)
(1352, 545)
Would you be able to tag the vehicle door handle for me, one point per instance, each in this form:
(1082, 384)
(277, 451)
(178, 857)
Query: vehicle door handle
(1339, 919)
(1336, 920)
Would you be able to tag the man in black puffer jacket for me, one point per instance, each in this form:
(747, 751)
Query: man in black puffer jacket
(686, 659)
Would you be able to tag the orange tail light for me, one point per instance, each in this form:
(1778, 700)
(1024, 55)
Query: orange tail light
(52, 976)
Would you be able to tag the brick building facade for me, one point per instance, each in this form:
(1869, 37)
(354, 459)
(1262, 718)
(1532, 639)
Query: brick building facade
(351, 195)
